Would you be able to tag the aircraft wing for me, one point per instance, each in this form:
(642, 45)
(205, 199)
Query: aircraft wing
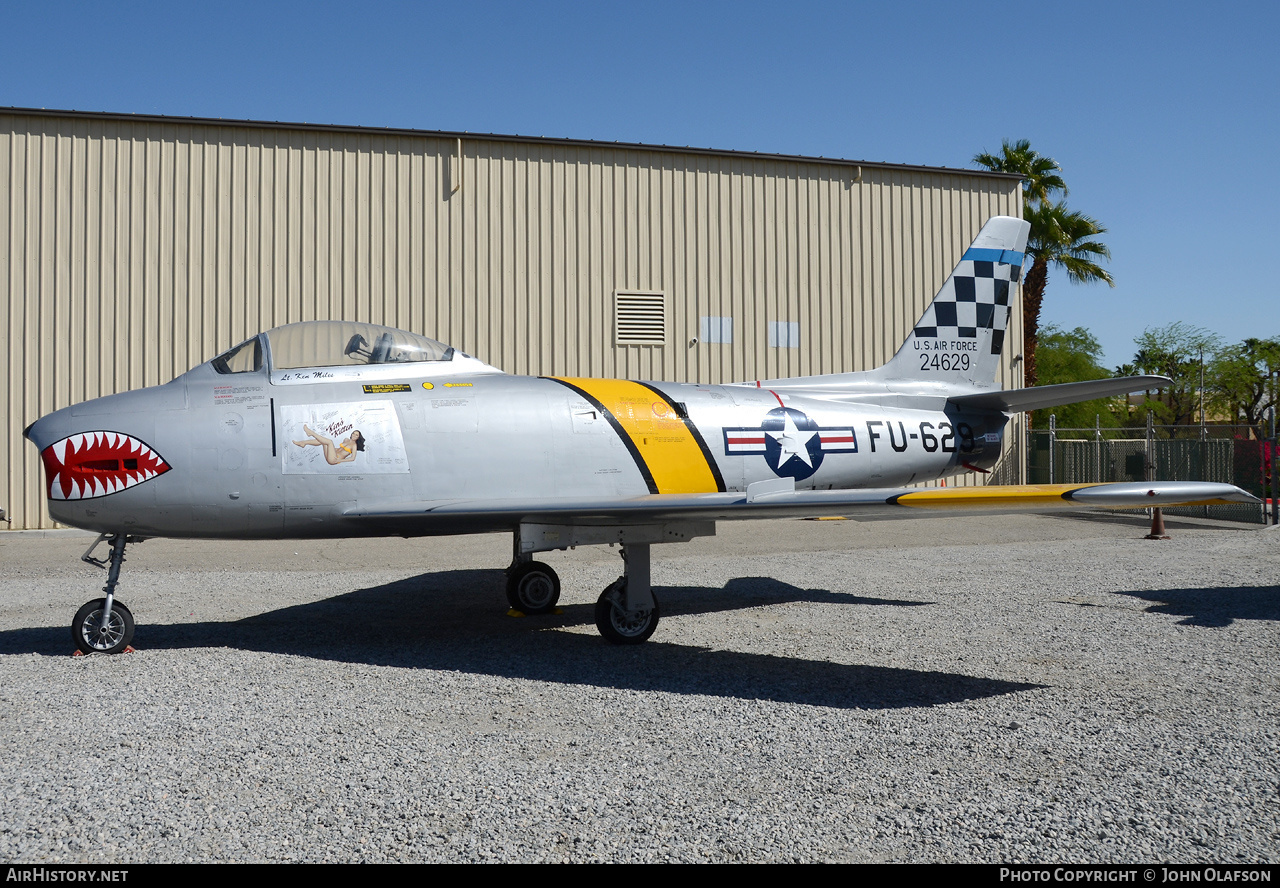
(1042, 396)
(771, 499)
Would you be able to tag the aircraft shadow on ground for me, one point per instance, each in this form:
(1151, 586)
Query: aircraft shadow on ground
(1137, 518)
(448, 621)
(1214, 607)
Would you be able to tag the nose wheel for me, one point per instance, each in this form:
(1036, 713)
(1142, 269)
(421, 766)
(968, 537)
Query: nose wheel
(97, 631)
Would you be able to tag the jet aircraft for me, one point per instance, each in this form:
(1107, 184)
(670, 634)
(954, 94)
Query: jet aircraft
(340, 429)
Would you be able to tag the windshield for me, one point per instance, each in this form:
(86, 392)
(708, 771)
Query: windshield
(349, 344)
(244, 358)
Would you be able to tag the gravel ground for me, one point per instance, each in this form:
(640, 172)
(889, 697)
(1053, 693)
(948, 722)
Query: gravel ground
(954, 689)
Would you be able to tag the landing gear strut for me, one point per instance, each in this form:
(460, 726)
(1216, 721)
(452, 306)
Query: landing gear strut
(627, 611)
(104, 625)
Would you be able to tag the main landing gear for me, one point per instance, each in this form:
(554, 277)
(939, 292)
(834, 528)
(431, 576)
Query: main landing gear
(104, 625)
(532, 587)
(627, 611)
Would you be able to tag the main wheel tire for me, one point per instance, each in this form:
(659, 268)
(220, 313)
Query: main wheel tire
(92, 637)
(533, 588)
(615, 624)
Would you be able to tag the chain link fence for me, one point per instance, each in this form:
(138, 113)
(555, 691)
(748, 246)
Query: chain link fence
(1225, 453)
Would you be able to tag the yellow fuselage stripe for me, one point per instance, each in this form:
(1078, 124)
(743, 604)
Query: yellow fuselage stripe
(658, 435)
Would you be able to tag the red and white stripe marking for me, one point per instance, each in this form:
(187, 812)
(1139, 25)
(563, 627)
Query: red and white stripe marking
(838, 441)
(744, 441)
(753, 441)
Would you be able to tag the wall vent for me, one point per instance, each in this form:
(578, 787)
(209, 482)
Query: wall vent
(640, 318)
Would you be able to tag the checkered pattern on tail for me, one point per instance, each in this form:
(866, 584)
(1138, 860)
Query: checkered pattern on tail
(975, 298)
(959, 338)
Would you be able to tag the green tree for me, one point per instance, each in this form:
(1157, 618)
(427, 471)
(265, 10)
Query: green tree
(1073, 356)
(1059, 236)
(1178, 351)
(1240, 384)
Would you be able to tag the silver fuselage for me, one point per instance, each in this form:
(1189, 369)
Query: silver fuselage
(479, 435)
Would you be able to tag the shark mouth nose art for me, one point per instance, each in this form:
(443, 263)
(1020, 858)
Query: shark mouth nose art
(97, 464)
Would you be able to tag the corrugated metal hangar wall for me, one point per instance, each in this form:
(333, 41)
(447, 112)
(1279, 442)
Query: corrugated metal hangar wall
(133, 248)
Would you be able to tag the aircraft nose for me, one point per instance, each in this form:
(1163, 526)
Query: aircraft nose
(33, 432)
(47, 429)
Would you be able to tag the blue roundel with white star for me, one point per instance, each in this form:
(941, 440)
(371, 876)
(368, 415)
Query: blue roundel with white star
(792, 444)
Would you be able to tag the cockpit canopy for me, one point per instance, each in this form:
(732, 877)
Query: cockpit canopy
(340, 344)
(348, 344)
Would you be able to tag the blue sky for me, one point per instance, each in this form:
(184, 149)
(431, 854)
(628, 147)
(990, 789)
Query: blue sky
(1164, 116)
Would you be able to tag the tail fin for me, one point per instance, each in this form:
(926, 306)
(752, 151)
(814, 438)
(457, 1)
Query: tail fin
(959, 336)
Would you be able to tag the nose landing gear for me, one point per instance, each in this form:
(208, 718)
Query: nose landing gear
(104, 625)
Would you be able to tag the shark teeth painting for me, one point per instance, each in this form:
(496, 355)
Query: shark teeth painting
(100, 463)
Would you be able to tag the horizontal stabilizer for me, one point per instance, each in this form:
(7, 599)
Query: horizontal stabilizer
(1042, 396)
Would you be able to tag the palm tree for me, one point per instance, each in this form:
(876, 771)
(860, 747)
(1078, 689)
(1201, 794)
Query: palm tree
(1058, 236)
(1065, 238)
(1041, 176)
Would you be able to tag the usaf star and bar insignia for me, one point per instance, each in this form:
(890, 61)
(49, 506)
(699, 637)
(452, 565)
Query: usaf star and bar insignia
(792, 444)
